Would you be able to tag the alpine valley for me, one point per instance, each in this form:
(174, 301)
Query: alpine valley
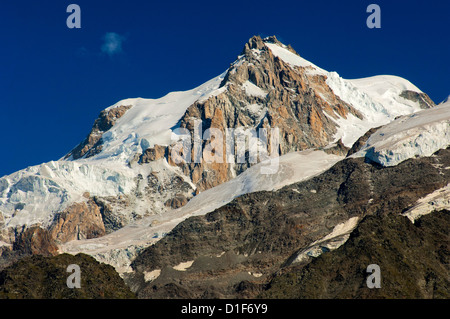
(362, 177)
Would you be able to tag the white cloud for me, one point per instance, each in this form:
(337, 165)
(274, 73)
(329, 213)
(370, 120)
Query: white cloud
(112, 43)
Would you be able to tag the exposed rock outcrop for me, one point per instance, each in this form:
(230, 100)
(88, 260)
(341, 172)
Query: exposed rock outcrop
(79, 221)
(176, 202)
(153, 154)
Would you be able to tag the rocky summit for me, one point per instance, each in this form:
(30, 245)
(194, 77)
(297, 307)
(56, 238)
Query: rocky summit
(172, 195)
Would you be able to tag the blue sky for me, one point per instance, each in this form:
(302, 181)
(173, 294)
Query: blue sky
(54, 81)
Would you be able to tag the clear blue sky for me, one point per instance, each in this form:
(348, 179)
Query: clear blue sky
(54, 81)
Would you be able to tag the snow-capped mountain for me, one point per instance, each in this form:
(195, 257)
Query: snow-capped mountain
(120, 247)
(123, 181)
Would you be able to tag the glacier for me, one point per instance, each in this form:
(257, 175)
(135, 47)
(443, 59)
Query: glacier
(419, 134)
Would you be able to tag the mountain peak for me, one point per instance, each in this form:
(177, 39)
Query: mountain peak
(254, 42)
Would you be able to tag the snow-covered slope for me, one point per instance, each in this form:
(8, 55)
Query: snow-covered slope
(293, 59)
(120, 247)
(377, 98)
(419, 134)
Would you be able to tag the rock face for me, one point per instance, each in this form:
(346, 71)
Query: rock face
(79, 221)
(38, 277)
(260, 90)
(413, 261)
(423, 99)
(236, 249)
(153, 154)
(35, 241)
